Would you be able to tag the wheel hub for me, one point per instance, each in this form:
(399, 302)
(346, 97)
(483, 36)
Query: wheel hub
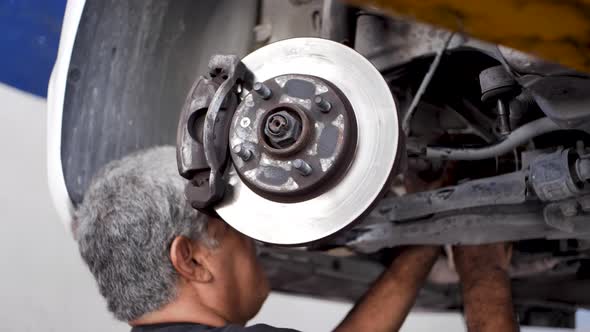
(299, 149)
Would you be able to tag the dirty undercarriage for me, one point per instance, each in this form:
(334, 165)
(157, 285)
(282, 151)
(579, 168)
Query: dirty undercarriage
(496, 141)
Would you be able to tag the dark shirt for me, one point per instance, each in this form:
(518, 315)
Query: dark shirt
(191, 327)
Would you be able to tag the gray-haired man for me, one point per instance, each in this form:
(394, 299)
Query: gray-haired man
(164, 267)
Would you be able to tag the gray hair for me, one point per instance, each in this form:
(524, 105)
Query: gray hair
(131, 213)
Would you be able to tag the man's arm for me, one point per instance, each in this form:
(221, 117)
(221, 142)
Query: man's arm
(387, 303)
(487, 299)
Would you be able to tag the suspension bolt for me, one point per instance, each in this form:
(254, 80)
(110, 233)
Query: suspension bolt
(262, 90)
(503, 117)
(323, 104)
(242, 152)
(302, 167)
(569, 209)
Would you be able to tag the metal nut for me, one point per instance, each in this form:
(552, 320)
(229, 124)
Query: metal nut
(282, 129)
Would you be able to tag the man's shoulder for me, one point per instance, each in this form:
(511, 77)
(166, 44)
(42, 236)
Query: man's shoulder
(256, 328)
(187, 327)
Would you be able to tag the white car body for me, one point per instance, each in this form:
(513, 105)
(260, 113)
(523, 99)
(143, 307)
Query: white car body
(55, 103)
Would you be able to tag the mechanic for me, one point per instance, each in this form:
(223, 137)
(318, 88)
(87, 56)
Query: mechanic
(162, 266)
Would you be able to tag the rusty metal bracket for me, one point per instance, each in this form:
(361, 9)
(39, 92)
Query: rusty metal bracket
(202, 139)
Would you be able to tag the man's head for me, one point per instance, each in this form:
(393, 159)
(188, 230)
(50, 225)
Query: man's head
(150, 251)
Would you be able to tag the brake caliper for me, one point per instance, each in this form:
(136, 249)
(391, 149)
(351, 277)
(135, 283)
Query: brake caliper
(202, 137)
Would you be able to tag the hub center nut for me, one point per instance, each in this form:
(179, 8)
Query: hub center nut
(282, 129)
(277, 125)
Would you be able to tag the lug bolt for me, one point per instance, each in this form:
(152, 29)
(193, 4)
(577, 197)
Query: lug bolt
(242, 152)
(262, 90)
(323, 104)
(302, 167)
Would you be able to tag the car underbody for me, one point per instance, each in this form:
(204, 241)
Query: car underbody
(495, 141)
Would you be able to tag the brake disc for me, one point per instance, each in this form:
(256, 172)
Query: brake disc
(314, 142)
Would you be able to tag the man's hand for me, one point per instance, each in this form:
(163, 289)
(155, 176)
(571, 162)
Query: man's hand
(387, 303)
(485, 283)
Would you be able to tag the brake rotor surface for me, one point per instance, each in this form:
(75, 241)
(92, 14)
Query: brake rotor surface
(370, 163)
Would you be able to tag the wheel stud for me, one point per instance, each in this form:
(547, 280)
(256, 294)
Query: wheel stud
(262, 90)
(323, 104)
(302, 167)
(242, 152)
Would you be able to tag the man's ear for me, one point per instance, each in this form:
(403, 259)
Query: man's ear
(189, 260)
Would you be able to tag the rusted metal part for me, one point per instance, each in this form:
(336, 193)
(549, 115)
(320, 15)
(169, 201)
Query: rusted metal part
(554, 30)
(300, 137)
(568, 216)
(202, 131)
(470, 226)
(486, 210)
(354, 191)
(499, 190)
(284, 130)
(190, 154)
